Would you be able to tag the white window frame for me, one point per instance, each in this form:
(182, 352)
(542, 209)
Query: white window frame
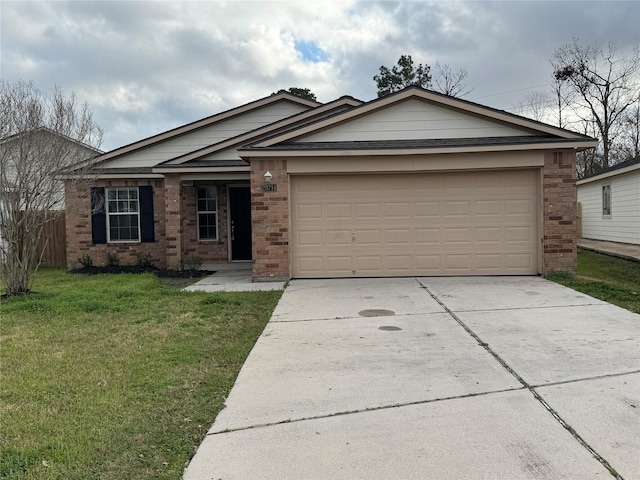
(606, 200)
(110, 214)
(207, 212)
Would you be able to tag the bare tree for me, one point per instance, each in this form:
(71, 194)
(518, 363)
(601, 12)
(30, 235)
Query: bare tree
(605, 86)
(628, 146)
(450, 82)
(40, 136)
(536, 105)
(563, 98)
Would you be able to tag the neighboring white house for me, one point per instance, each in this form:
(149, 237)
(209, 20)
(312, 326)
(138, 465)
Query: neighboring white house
(610, 203)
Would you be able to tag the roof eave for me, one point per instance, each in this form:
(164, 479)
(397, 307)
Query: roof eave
(274, 152)
(213, 168)
(609, 174)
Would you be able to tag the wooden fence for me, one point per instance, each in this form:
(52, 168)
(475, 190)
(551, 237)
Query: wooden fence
(54, 240)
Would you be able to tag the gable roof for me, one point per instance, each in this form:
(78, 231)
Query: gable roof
(202, 123)
(542, 135)
(50, 131)
(617, 169)
(295, 121)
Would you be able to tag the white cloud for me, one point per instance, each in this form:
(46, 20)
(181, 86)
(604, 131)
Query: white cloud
(149, 66)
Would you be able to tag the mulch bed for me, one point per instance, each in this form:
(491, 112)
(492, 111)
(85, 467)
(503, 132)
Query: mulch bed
(159, 272)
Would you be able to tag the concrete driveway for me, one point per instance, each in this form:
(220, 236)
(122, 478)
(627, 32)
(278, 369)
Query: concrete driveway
(433, 378)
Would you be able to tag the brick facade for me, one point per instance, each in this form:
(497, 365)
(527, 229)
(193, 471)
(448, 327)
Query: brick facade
(78, 226)
(175, 221)
(175, 226)
(211, 251)
(559, 216)
(270, 221)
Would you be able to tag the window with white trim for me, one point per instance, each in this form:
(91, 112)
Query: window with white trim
(123, 214)
(207, 204)
(606, 200)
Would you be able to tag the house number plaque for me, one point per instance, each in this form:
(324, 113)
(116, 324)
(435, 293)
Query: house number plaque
(269, 187)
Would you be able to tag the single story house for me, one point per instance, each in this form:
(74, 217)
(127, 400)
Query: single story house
(610, 203)
(414, 183)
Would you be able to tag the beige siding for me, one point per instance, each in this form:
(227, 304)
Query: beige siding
(414, 119)
(623, 225)
(206, 136)
(466, 223)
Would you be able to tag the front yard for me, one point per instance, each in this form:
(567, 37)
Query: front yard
(119, 376)
(614, 280)
(116, 376)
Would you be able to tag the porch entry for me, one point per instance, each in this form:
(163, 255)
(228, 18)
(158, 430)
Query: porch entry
(240, 222)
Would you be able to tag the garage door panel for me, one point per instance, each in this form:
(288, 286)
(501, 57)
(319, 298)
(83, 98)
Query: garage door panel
(489, 208)
(398, 236)
(339, 264)
(518, 207)
(310, 238)
(491, 235)
(337, 211)
(473, 223)
(423, 209)
(427, 236)
(363, 237)
(338, 238)
(518, 234)
(309, 211)
(397, 210)
(457, 208)
(367, 210)
(369, 264)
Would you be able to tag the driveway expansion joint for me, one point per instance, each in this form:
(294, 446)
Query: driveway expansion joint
(585, 379)
(537, 307)
(526, 385)
(365, 410)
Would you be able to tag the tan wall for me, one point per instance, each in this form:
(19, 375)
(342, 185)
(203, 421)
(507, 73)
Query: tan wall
(559, 216)
(270, 221)
(78, 226)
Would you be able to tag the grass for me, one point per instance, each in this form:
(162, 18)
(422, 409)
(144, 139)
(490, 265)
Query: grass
(116, 376)
(614, 280)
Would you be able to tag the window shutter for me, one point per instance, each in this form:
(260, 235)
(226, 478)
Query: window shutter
(98, 216)
(146, 214)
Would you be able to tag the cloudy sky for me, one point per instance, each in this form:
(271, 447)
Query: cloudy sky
(146, 67)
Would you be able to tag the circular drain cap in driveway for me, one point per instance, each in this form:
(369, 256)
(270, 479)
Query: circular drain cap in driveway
(376, 313)
(389, 328)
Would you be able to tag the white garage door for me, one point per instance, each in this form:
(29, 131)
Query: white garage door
(466, 223)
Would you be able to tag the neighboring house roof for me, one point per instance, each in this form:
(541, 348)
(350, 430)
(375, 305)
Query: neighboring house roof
(617, 169)
(14, 137)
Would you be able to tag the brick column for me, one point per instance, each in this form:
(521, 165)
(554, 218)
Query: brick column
(173, 221)
(560, 234)
(270, 221)
(77, 222)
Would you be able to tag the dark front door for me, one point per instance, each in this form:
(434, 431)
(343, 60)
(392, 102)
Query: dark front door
(240, 213)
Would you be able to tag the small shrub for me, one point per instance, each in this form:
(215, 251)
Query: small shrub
(144, 259)
(112, 259)
(193, 262)
(86, 261)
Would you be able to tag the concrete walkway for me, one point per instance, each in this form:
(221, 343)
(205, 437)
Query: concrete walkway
(232, 278)
(432, 378)
(622, 250)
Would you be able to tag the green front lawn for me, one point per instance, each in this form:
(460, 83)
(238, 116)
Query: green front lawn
(608, 278)
(116, 376)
